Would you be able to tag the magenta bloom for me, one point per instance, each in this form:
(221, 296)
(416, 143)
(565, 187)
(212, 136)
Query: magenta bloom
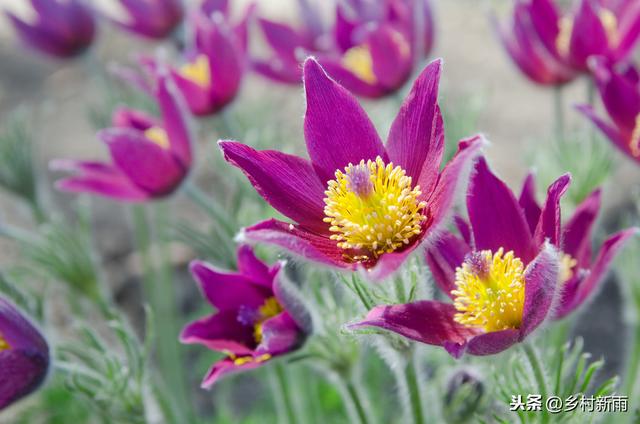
(252, 323)
(357, 203)
(620, 94)
(151, 156)
(580, 273)
(502, 277)
(371, 50)
(155, 19)
(522, 43)
(24, 355)
(61, 29)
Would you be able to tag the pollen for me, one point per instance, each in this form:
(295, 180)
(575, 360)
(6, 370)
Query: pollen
(567, 263)
(269, 309)
(372, 209)
(4, 345)
(359, 61)
(634, 142)
(490, 291)
(610, 24)
(563, 40)
(198, 71)
(158, 136)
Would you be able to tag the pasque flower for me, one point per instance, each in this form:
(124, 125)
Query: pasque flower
(371, 50)
(502, 278)
(154, 19)
(523, 44)
(61, 28)
(620, 93)
(580, 273)
(150, 156)
(358, 203)
(593, 28)
(24, 355)
(253, 322)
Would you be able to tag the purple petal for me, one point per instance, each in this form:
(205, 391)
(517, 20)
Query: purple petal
(347, 79)
(283, 39)
(391, 56)
(446, 254)
(588, 36)
(227, 366)
(125, 117)
(492, 343)
(549, 224)
(174, 116)
(97, 178)
(298, 241)
(286, 182)
(613, 134)
(253, 268)
(389, 263)
(280, 334)
(220, 332)
(541, 281)
(576, 237)
(620, 94)
(416, 138)
(425, 321)
(495, 215)
(336, 128)
(528, 202)
(228, 291)
(149, 166)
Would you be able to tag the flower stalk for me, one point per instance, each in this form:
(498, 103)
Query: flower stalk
(286, 410)
(538, 372)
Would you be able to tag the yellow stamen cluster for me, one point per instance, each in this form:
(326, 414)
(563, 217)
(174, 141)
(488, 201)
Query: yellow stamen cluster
(157, 135)
(241, 360)
(4, 344)
(634, 143)
(610, 24)
(198, 71)
(567, 262)
(372, 209)
(269, 309)
(490, 291)
(563, 40)
(359, 61)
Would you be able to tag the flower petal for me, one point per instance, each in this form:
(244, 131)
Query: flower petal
(280, 334)
(495, 215)
(174, 116)
(336, 128)
(576, 237)
(527, 201)
(443, 257)
(617, 138)
(296, 240)
(391, 56)
(125, 117)
(416, 138)
(227, 291)
(492, 343)
(253, 268)
(227, 366)
(541, 282)
(221, 332)
(425, 321)
(549, 223)
(286, 182)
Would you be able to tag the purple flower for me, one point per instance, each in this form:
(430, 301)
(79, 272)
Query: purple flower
(61, 28)
(620, 93)
(502, 277)
(24, 355)
(253, 322)
(580, 273)
(523, 45)
(371, 50)
(155, 19)
(151, 156)
(358, 204)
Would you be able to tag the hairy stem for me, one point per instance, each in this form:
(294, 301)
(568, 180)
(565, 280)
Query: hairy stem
(538, 372)
(286, 410)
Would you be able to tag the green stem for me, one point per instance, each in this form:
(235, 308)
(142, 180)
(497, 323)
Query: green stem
(558, 105)
(284, 395)
(538, 372)
(213, 208)
(159, 292)
(412, 377)
(354, 403)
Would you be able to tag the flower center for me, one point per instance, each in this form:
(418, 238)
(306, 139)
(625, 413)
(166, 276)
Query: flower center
(372, 209)
(269, 309)
(4, 344)
(567, 262)
(490, 291)
(563, 40)
(198, 71)
(634, 142)
(359, 61)
(157, 135)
